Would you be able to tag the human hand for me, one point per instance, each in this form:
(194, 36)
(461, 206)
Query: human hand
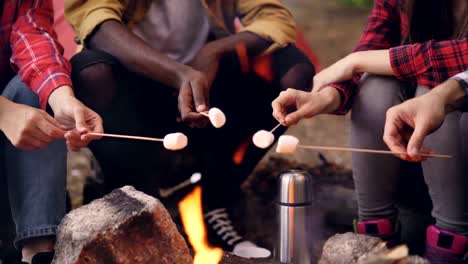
(293, 105)
(26, 127)
(193, 97)
(74, 117)
(408, 124)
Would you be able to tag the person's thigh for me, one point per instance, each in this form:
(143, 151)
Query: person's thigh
(36, 179)
(447, 178)
(376, 176)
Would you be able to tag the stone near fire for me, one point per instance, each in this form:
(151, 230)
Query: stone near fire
(125, 226)
(351, 248)
(347, 248)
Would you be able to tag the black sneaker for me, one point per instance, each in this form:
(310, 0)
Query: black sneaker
(221, 233)
(42, 258)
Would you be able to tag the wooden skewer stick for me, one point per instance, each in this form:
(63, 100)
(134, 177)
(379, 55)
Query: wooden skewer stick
(126, 136)
(205, 114)
(372, 151)
(276, 127)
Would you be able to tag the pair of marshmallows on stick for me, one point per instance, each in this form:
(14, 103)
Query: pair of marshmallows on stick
(286, 144)
(175, 141)
(289, 144)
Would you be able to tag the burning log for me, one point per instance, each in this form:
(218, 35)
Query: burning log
(126, 226)
(350, 248)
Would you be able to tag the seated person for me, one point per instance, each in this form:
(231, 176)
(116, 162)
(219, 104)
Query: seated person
(407, 47)
(33, 156)
(150, 67)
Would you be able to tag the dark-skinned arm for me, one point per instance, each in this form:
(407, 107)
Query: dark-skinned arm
(207, 61)
(136, 55)
(253, 44)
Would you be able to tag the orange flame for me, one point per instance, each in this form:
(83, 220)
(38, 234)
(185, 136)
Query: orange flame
(192, 218)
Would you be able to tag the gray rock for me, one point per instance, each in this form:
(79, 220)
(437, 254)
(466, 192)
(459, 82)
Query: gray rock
(350, 248)
(347, 248)
(126, 226)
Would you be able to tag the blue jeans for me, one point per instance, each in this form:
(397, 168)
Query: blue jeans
(36, 180)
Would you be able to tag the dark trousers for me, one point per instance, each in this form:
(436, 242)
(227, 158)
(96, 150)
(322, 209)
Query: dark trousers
(132, 104)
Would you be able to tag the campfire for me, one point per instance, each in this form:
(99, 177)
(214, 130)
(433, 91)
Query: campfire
(192, 219)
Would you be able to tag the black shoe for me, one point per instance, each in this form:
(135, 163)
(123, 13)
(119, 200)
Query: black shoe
(42, 258)
(221, 233)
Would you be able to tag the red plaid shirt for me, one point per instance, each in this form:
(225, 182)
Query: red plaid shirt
(28, 41)
(429, 63)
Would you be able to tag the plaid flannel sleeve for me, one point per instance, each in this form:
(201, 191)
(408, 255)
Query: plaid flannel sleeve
(382, 32)
(36, 53)
(430, 63)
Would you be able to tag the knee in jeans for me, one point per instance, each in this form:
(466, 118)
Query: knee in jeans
(18, 92)
(299, 77)
(376, 95)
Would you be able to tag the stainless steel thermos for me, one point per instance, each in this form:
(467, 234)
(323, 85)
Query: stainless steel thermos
(294, 218)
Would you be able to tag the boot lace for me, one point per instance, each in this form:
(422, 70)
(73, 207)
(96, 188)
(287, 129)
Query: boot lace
(220, 222)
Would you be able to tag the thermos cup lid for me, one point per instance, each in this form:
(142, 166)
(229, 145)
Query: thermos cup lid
(295, 187)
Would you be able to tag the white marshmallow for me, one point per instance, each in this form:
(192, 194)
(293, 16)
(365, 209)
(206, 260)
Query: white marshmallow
(175, 141)
(217, 117)
(263, 139)
(287, 144)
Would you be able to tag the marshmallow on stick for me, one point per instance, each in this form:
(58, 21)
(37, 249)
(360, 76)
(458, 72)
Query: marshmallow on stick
(263, 139)
(174, 141)
(287, 144)
(216, 116)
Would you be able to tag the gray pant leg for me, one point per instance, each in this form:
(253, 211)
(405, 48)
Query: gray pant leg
(375, 176)
(447, 179)
(36, 179)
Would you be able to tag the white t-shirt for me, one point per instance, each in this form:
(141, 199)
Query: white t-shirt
(177, 28)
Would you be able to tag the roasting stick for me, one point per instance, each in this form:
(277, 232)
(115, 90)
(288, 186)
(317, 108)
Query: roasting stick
(372, 151)
(126, 136)
(276, 127)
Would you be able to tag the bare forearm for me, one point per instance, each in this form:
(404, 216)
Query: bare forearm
(117, 40)
(372, 61)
